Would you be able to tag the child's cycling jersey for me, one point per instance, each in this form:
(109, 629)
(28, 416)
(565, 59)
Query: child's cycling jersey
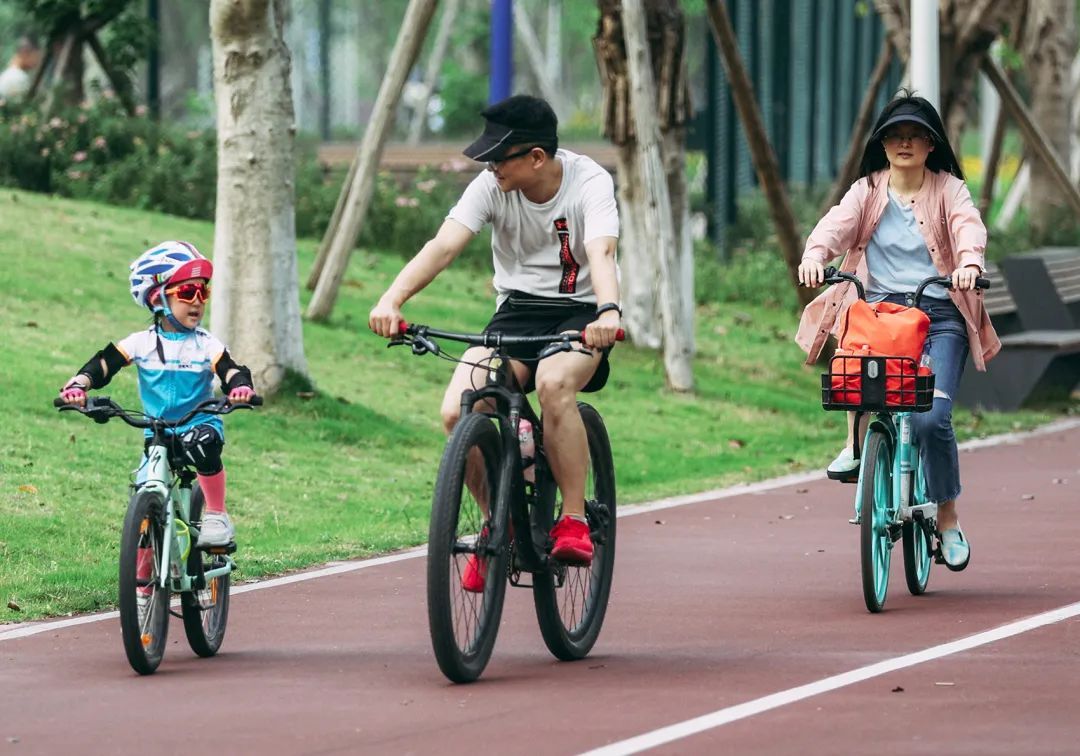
(172, 388)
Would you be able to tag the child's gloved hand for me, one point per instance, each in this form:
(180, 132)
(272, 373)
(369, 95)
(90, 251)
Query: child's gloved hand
(74, 392)
(241, 394)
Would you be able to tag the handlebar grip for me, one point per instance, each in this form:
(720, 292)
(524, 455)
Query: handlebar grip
(620, 335)
(58, 402)
(403, 328)
(982, 283)
(255, 400)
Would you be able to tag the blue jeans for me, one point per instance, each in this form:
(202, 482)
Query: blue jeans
(947, 345)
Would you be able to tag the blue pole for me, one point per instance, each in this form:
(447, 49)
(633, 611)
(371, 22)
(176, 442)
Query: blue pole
(502, 50)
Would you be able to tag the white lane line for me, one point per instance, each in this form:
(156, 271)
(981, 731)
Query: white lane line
(721, 717)
(23, 630)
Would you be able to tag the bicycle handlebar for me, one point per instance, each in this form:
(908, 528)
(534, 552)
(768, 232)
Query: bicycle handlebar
(419, 333)
(102, 408)
(834, 276)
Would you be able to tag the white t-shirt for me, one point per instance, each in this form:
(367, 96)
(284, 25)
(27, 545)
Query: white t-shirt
(540, 249)
(14, 82)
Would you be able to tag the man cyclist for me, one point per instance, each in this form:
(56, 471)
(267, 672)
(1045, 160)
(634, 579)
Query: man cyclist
(554, 230)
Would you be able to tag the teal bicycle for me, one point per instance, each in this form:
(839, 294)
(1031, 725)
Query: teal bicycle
(162, 527)
(890, 499)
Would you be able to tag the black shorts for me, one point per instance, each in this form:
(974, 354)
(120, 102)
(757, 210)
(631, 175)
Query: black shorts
(529, 315)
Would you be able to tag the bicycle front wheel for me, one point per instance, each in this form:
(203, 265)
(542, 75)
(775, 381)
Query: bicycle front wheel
(206, 608)
(917, 545)
(144, 602)
(875, 493)
(466, 568)
(571, 601)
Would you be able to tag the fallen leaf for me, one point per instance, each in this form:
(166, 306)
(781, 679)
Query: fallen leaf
(31, 324)
(736, 443)
(71, 438)
(1059, 481)
(1028, 497)
(27, 488)
(787, 517)
(13, 606)
(802, 490)
(660, 522)
(897, 689)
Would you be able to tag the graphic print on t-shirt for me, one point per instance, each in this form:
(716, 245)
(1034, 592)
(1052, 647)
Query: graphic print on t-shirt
(570, 266)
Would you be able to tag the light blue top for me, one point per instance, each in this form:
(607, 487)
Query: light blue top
(172, 388)
(896, 255)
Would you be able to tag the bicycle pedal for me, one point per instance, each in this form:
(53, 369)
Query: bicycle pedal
(229, 548)
(856, 520)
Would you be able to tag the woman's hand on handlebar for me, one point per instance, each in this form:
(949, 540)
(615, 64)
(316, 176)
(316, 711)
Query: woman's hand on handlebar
(811, 273)
(603, 332)
(963, 279)
(385, 318)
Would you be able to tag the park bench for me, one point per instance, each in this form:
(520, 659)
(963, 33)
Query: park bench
(1040, 342)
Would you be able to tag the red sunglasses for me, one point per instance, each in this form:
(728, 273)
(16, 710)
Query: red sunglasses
(189, 293)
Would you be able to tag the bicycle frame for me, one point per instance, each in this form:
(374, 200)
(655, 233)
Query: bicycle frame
(180, 534)
(905, 459)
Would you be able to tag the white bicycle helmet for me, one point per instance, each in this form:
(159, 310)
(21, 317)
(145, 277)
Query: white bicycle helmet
(162, 263)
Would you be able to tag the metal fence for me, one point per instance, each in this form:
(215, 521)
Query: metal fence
(810, 63)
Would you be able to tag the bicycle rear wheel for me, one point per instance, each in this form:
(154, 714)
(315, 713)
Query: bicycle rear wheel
(464, 623)
(917, 545)
(875, 493)
(206, 608)
(144, 603)
(571, 601)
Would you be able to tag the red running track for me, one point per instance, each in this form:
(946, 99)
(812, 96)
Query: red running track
(716, 604)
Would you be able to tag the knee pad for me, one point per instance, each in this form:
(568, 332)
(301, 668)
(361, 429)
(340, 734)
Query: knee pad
(202, 447)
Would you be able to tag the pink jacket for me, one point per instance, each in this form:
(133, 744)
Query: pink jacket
(955, 236)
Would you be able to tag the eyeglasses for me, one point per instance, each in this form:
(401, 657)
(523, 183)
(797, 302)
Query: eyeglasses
(189, 293)
(894, 139)
(511, 156)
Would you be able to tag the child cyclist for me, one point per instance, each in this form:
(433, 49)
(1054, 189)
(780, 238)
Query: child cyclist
(176, 360)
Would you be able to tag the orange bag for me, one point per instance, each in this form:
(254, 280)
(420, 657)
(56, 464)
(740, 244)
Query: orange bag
(882, 329)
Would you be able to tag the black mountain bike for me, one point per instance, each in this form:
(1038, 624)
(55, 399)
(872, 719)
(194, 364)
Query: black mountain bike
(484, 509)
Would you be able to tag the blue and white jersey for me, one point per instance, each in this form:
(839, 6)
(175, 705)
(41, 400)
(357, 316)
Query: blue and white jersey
(186, 378)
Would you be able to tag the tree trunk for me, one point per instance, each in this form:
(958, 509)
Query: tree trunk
(406, 49)
(434, 67)
(658, 217)
(1049, 50)
(538, 62)
(761, 152)
(1034, 137)
(256, 308)
(638, 253)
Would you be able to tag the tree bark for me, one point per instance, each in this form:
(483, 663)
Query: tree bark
(434, 67)
(1034, 136)
(406, 49)
(256, 306)
(761, 152)
(538, 64)
(677, 349)
(1049, 49)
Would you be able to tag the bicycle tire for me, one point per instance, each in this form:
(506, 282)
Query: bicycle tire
(145, 632)
(205, 610)
(571, 602)
(918, 547)
(875, 491)
(464, 624)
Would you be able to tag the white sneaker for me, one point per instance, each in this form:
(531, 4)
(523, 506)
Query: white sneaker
(216, 530)
(955, 550)
(845, 461)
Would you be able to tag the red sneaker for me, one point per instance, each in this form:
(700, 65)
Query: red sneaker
(472, 577)
(572, 542)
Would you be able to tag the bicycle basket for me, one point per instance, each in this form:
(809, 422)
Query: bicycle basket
(872, 383)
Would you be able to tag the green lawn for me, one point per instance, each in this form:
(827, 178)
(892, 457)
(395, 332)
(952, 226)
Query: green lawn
(348, 473)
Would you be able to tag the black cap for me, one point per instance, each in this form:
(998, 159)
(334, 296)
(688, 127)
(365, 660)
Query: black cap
(497, 140)
(909, 112)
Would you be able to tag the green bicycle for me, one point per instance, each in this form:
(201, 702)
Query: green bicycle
(890, 499)
(162, 526)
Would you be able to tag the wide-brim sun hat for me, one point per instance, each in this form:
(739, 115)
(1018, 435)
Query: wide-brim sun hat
(909, 113)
